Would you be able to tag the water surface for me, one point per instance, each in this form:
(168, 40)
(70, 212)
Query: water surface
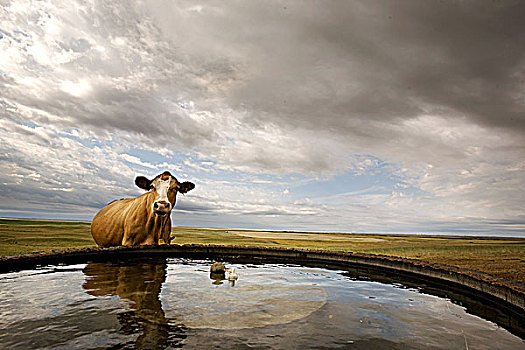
(170, 303)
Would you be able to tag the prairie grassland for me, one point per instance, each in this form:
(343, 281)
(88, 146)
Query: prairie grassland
(504, 258)
(27, 236)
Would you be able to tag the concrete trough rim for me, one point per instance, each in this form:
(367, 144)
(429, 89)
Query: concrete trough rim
(509, 293)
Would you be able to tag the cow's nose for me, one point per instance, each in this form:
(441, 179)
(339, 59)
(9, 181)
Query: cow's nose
(161, 206)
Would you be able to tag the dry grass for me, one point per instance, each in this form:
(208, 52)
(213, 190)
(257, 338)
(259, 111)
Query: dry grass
(502, 258)
(27, 236)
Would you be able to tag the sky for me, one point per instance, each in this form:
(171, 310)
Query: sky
(347, 116)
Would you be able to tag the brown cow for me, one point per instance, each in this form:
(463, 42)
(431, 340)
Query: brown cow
(140, 220)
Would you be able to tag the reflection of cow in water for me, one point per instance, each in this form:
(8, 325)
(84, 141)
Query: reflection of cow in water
(140, 282)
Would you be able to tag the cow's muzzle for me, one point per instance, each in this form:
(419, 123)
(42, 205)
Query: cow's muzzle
(161, 208)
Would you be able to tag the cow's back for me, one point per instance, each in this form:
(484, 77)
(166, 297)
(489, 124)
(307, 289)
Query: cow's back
(107, 227)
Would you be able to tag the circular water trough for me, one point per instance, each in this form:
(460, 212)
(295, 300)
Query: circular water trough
(492, 299)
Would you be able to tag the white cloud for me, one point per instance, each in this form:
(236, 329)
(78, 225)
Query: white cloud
(136, 160)
(77, 89)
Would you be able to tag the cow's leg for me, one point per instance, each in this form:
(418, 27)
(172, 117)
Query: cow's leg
(166, 232)
(150, 241)
(131, 238)
(147, 241)
(127, 241)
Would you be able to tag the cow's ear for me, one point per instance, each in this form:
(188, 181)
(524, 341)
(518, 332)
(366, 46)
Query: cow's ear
(143, 183)
(186, 186)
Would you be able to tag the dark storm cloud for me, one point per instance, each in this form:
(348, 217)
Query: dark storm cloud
(338, 64)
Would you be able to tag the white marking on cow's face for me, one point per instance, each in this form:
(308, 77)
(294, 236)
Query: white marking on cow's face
(162, 204)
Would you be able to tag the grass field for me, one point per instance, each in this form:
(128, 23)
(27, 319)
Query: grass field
(503, 258)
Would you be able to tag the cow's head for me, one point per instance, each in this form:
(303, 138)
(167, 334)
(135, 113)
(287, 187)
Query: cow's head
(165, 187)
